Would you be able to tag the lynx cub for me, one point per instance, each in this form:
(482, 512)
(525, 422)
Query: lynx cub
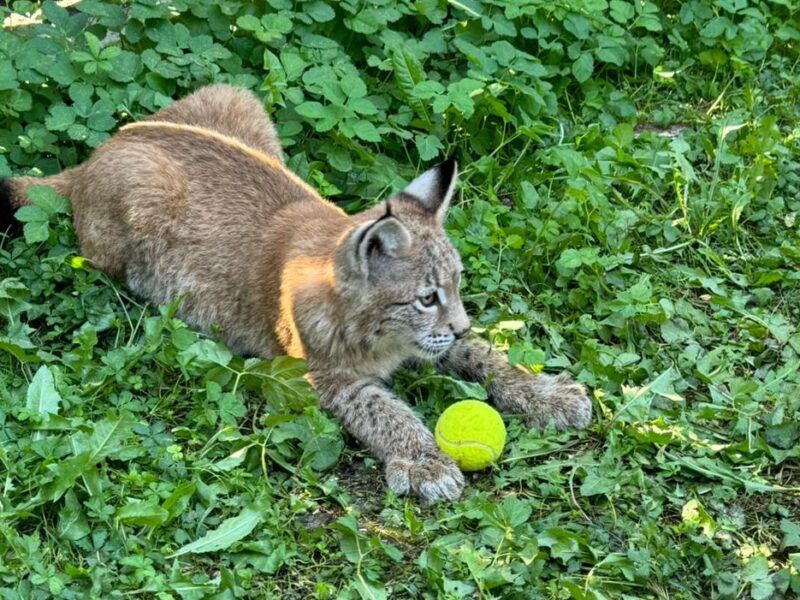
(196, 200)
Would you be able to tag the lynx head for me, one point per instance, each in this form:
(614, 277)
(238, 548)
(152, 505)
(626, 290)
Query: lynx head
(400, 274)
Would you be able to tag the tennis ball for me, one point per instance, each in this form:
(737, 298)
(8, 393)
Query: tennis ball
(472, 433)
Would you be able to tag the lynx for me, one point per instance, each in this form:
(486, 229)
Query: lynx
(196, 201)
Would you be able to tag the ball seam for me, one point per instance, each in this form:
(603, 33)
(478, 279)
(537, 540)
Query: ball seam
(472, 444)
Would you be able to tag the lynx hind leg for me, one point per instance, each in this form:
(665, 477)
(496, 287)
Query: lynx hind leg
(232, 111)
(124, 195)
(540, 398)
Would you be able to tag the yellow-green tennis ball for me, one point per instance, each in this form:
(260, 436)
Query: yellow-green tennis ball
(472, 433)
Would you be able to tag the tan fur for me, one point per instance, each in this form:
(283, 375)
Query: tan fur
(196, 202)
(228, 111)
(270, 162)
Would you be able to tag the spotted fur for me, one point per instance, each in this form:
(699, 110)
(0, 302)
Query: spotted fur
(196, 202)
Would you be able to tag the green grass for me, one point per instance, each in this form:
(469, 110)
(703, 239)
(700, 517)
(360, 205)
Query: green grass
(629, 210)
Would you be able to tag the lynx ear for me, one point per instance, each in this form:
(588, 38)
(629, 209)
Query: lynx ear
(382, 237)
(434, 188)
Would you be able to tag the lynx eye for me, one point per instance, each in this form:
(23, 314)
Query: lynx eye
(428, 300)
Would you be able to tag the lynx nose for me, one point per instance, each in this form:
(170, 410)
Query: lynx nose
(459, 322)
(461, 334)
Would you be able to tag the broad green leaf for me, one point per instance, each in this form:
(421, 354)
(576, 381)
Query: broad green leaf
(596, 483)
(583, 67)
(149, 514)
(72, 523)
(126, 66)
(429, 146)
(93, 42)
(408, 73)
(8, 76)
(478, 56)
(461, 93)
(621, 11)
(313, 110)
(18, 350)
(207, 351)
(366, 131)
(791, 534)
(513, 512)
(37, 231)
(425, 90)
(715, 27)
(231, 408)
(354, 544)
(362, 106)
(231, 462)
(319, 11)
(46, 198)
(368, 20)
(108, 435)
(101, 116)
(277, 24)
(81, 95)
(179, 499)
(324, 446)
(31, 214)
(42, 397)
(13, 288)
(638, 400)
(369, 589)
(230, 531)
(282, 380)
(60, 117)
(783, 436)
(59, 68)
(612, 50)
(249, 23)
(55, 14)
(353, 86)
(572, 258)
(564, 545)
(578, 25)
(293, 63)
(694, 515)
(756, 573)
(64, 473)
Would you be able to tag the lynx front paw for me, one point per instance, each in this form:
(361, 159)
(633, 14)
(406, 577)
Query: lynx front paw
(542, 398)
(432, 476)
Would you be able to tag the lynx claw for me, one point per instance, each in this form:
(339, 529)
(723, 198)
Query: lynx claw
(431, 476)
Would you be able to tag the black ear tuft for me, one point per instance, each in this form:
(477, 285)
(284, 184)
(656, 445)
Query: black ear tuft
(446, 174)
(434, 188)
